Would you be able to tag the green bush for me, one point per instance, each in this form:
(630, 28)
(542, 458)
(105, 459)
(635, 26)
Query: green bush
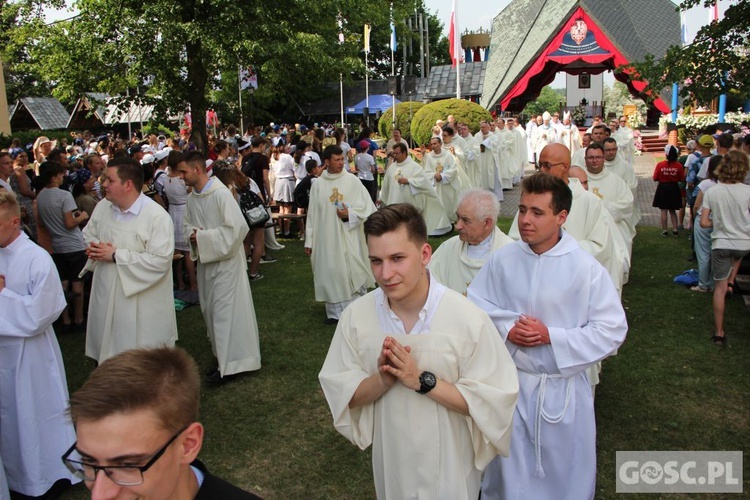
(405, 112)
(29, 136)
(463, 111)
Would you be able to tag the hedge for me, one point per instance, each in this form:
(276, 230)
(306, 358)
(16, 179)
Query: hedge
(463, 111)
(29, 136)
(405, 112)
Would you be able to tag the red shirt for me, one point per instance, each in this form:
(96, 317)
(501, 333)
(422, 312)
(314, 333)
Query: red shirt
(667, 171)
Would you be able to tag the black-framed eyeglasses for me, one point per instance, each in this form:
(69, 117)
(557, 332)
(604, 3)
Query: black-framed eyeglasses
(124, 475)
(545, 165)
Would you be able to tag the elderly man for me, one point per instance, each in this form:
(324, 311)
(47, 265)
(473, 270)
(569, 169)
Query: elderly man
(578, 159)
(459, 259)
(33, 391)
(214, 227)
(130, 242)
(544, 134)
(138, 432)
(418, 372)
(406, 181)
(339, 204)
(559, 314)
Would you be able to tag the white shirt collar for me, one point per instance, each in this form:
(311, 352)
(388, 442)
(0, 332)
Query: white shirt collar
(133, 209)
(388, 320)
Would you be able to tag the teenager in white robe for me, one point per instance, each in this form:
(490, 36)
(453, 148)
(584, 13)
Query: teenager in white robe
(130, 242)
(526, 288)
(341, 271)
(530, 126)
(448, 178)
(406, 181)
(215, 228)
(432, 444)
(625, 140)
(458, 259)
(35, 430)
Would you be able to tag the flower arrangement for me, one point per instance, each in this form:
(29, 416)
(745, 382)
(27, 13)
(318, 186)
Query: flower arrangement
(637, 142)
(579, 115)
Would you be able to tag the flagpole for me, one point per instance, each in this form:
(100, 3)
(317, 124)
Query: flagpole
(393, 68)
(239, 81)
(341, 93)
(455, 49)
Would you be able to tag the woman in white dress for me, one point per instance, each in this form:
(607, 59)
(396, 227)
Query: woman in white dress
(177, 193)
(282, 165)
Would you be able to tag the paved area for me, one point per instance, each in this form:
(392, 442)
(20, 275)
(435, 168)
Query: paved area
(644, 169)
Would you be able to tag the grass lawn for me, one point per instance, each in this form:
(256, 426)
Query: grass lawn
(271, 432)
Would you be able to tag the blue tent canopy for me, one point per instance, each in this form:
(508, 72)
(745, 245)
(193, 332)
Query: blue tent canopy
(378, 102)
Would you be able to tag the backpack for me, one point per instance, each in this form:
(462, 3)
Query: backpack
(253, 208)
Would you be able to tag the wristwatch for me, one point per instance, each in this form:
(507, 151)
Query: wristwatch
(427, 382)
(114, 259)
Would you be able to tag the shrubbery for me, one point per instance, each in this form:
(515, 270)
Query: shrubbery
(463, 111)
(405, 112)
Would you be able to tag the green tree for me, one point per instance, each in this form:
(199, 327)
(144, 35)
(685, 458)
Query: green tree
(172, 54)
(548, 100)
(618, 96)
(463, 111)
(717, 62)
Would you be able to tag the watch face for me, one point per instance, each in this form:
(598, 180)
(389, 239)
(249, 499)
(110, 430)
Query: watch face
(429, 379)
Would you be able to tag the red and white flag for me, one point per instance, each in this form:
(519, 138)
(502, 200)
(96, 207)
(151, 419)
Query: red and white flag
(454, 37)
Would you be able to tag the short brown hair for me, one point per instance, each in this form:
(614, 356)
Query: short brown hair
(733, 167)
(541, 182)
(164, 380)
(128, 169)
(392, 217)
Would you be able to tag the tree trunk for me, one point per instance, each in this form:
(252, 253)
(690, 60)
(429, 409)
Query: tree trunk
(198, 78)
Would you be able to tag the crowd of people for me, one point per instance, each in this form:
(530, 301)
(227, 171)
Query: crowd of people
(476, 340)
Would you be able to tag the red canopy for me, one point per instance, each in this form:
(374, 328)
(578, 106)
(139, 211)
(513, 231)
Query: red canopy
(581, 42)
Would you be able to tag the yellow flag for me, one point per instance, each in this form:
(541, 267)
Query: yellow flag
(367, 38)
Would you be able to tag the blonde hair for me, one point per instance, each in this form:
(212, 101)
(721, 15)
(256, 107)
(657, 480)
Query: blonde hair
(9, 203)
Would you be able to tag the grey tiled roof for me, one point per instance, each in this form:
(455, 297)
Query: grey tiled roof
(45, 112)
(525, 27)
(441, 83)
(80, 117)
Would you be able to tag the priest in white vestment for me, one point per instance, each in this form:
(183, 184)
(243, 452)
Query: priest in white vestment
(578, 159)
(543, 134)
(406, 181)
(130, 242)
(35, 430)
(613, 191)
(520, 149)
(215, 228)
(447, 176)
(625, 139)
(471, 165)
(568, 134)
(588, 222)
(335, 241)
(507, 156)
(458, 259)
(614, 162)
(418, 372)
(558, 312)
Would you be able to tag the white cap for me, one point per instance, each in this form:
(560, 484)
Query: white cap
(160, 155)
(149, 158)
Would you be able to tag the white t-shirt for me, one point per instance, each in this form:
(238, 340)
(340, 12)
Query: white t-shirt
(730, 210)
(365, 165)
